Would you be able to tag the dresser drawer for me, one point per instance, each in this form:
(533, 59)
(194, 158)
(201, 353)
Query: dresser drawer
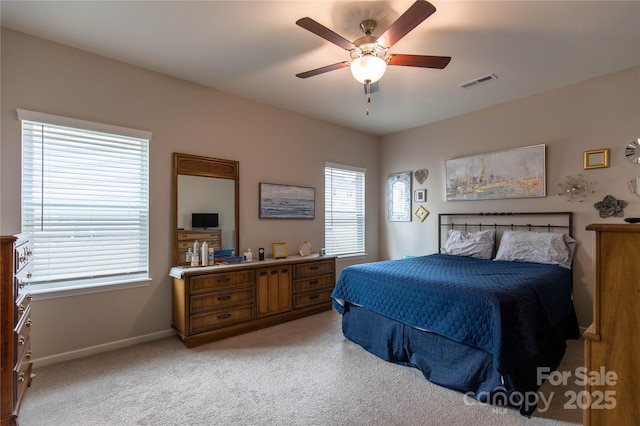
(198, 235)
(21, 380)
(313, 269)
(21, 308)
(313, 283)
(213, 282)
(21, 336)
(210, 301)
(22, 255)
(213, 320)
(313, 298)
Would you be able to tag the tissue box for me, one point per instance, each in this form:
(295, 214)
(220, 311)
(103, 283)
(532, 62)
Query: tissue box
(233, 259)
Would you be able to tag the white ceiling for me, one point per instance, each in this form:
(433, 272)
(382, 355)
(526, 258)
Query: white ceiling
(253, 49)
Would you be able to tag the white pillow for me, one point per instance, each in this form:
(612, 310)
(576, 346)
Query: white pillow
(538, 247)
(478, 244)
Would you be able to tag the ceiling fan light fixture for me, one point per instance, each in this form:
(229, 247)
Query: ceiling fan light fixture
(368, 68)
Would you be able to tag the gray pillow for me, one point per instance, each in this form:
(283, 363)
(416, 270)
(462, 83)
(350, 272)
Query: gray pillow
(538, 247)
(470, 244)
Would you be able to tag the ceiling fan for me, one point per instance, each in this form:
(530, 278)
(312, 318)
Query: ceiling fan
(369, 54)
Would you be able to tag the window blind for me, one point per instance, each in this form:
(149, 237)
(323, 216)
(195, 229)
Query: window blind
(344, 209)
(85, 203)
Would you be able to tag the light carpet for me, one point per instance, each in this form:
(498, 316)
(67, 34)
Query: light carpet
(303, 372)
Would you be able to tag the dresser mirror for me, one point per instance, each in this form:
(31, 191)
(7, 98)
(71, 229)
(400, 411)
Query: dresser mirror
(205, 191)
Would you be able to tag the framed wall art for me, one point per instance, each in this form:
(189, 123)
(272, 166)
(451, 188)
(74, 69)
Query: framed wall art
(596, 159)
(420, 195)
(399, 197)
(513, 173)
(286, 201)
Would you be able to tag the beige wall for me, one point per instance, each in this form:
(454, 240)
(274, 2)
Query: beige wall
(277, 146)
(272, 145)
(599, 113)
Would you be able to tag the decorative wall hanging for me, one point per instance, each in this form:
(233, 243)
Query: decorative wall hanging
(421, 175)
(596, 159)
(421, 213)
(609, 206)
(286, 201)
(634, 185)
(513, 173)
(399, 197)
(632, 151)
(420, 195)
(575, 188)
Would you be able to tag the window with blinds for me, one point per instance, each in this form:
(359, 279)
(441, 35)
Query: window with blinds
(344, 209)
(85, 192)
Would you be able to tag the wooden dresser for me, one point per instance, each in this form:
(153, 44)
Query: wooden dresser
(15, 315)
(612, 344)
(213, 237)
(214, 302)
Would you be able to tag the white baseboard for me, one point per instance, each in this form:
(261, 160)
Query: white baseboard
(105, 347)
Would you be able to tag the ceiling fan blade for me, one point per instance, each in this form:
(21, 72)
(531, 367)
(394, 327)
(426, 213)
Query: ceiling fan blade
(322, 70)
(373, 87)
(410, 19)
(324, 32)
(419, 61)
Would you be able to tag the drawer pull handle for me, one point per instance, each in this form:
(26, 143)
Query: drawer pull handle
(28, 323)
(224, 280)
(20, 377)
(21, 340)
(314, 296)
(313, 268)
(221, 298)
(29, 275)
(29, 297)
(274, 272)
(224, 316)
(21, 309)
(28, 354)
(314, 282)
(262, 274)
(284, 271)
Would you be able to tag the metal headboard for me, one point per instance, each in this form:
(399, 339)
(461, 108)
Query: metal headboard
(527, 221)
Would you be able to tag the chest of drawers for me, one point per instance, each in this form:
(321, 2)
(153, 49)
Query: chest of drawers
(215, 302)
(15, 315)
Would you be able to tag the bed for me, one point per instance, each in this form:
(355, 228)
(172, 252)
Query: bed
(482, 316)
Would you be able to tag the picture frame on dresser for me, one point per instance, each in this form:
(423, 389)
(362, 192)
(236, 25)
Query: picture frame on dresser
(280, 250)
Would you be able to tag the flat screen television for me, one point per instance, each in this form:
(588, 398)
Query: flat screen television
(204, 220)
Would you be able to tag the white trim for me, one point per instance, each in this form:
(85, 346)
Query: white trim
(346, 167)
(38, 294)
(57, 120)
(105, 347)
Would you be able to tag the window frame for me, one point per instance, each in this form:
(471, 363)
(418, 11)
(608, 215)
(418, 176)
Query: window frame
(139, 141)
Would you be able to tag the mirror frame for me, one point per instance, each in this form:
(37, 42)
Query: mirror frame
(196, 165)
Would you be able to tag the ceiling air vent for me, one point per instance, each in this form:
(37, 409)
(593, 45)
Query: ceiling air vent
(480, 80)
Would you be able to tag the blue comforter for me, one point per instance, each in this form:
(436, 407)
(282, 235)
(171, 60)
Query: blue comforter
(497, 306)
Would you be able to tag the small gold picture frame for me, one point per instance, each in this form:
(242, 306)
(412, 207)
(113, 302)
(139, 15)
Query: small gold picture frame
(279, 250)
(304, 248)
(421, 213)
(596, 159)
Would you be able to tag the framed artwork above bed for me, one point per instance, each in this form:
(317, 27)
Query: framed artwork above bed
(512, 173)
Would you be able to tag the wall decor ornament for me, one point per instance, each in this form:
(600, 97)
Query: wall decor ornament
(512, 173)
(632, 151)
(420, 195)
(610, 206)
(634, 185)
(421, 175)
(421, 213)
(575, 188)
(399, 197)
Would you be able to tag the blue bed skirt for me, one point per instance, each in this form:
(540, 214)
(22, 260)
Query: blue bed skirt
(455, 365)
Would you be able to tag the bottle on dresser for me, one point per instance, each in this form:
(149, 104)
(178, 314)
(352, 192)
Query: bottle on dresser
(204, 257)
(195, 257)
